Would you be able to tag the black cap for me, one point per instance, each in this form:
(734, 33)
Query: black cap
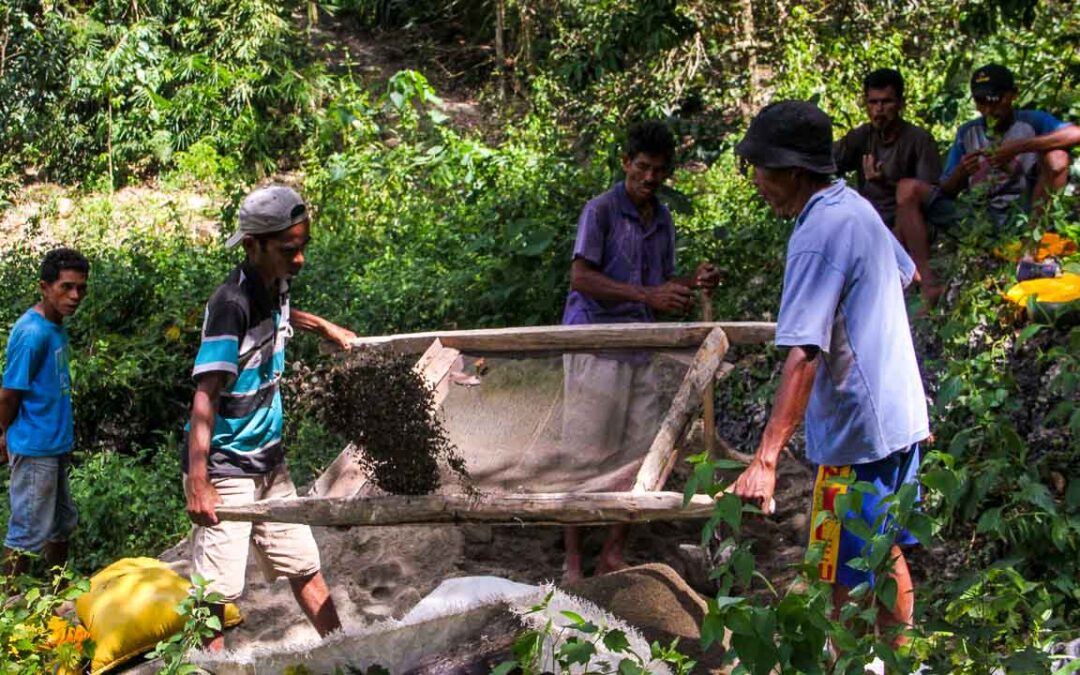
(789, 134)
(992, 80)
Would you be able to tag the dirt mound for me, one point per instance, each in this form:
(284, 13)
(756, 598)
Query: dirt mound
(658, 602)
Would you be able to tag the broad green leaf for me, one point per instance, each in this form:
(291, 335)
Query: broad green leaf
(575, 650)
(729, 509)
(505, 668)
(527, 644)
(1072, 493)
(989, 521)
(943, 481)
(886, 591)
(712, 630)
(628, 667)
(1037, 494)
(616, 641)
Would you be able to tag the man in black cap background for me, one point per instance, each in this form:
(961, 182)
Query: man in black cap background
(850, 369)
(1020, 155)
(898, 168)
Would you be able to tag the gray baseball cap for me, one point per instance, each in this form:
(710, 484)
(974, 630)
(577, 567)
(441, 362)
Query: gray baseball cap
(267, 210)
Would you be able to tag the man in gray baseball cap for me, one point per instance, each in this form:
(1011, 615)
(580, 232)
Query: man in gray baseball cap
(234, 453)
(850, 370)
(269, 210)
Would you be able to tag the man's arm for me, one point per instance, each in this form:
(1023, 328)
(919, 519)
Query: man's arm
(202, 496)
(671, 296)
(320, 326)
(758, 481)
(955, 182)
(9, 407)
(959, 165)
(1064, 138)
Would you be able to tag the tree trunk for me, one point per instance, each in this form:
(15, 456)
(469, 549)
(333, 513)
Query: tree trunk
(500, 46)
(746, 39)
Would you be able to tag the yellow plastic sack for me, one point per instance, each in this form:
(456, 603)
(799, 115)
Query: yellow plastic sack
(131, 606)
(1065, 288)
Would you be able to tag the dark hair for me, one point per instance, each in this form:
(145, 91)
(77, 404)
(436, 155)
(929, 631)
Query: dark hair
(884, 77)
(60, 259)
(651, 137)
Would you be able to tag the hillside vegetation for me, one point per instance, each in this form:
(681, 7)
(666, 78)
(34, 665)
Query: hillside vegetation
(447, 148)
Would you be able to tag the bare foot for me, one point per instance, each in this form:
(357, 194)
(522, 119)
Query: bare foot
(607, 566)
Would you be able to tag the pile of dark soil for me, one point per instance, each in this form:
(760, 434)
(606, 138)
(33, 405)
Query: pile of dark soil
(377, 402)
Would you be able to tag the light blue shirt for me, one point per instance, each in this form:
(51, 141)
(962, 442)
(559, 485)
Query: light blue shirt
(37, 366)
(844, 293)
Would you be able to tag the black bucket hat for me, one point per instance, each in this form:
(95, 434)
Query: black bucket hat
(789, 134)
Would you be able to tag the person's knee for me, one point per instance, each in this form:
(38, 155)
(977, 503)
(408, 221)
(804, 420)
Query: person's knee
(1055, 162)
(911, 192)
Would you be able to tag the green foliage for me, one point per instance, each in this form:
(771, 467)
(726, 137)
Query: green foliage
(424, 224)
(116, 90)
(577, 645)
(200, 624)
(447, 231)
(128, 505)
(135, 336)
(27, 643)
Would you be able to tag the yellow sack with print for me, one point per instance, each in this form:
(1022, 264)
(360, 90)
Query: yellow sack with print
(1056, 299)
(131, 606)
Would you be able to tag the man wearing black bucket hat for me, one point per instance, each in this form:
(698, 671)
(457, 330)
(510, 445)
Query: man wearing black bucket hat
(851, 368)
(1020, 155)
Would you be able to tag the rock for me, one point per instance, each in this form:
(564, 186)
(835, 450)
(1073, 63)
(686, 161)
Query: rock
(696, 568)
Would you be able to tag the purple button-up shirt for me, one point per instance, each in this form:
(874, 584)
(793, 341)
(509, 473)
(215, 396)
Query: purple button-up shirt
(610, 235)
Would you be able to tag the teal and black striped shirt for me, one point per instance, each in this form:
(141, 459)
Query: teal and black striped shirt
(244, 334)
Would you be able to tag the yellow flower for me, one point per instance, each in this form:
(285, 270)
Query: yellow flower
(172, 333)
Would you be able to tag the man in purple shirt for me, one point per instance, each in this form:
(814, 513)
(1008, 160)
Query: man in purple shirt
(623, 271)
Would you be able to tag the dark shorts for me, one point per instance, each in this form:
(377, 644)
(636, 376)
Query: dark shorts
(940, 211)
(42, 510)
(841, 545)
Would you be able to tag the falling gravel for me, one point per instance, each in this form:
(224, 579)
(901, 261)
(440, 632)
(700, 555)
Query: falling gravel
(379, 403)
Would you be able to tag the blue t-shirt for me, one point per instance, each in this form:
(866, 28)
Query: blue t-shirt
(610, 235)
(1015, 181)
(37, 365)
(844, 293)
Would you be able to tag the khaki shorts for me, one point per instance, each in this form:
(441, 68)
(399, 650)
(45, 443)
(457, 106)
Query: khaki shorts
(219, 553)
(611, 414)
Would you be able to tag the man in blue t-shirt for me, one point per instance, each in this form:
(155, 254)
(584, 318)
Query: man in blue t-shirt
(36, 427)
(1020, 155)
(850, 367)
(233, 454)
